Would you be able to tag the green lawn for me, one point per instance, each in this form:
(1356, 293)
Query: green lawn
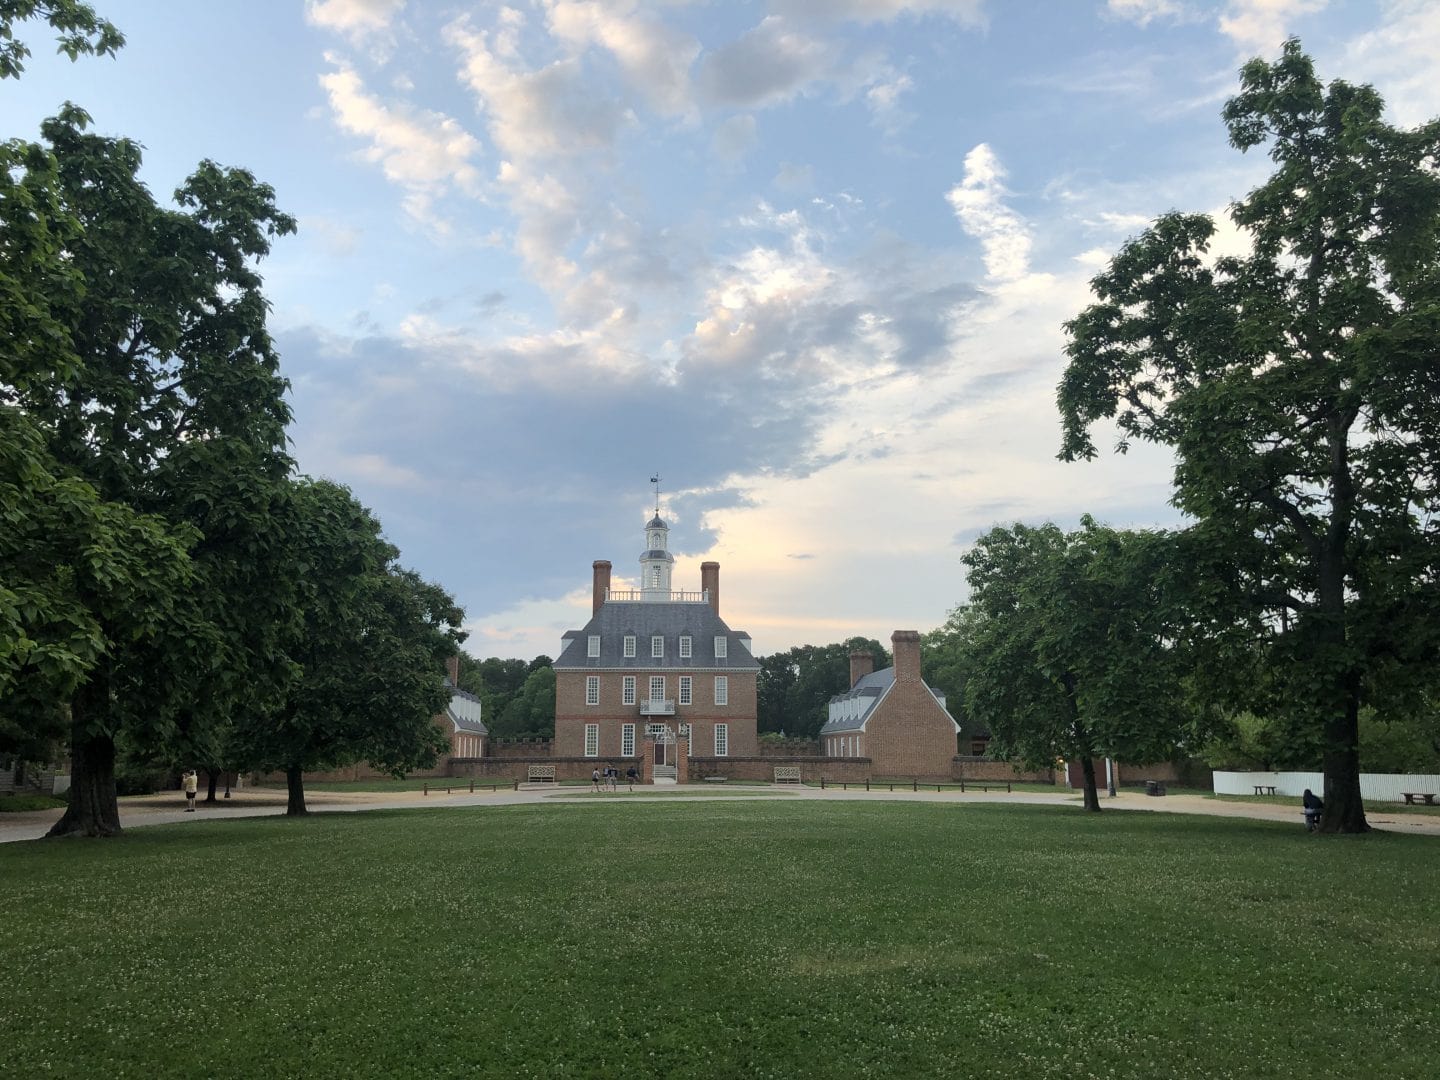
(24, 803)
(746, 939)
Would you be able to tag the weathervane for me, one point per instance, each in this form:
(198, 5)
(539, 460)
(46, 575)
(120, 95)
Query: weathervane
(656, 481)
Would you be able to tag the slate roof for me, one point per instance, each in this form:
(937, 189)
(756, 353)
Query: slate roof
(618, 618)
(464, 712)
(869, 691)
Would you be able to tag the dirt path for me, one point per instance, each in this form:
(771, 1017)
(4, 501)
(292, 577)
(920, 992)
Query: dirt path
(168, 808)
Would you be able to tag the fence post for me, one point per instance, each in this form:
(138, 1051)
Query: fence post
(472, 785)
(822, 783)
(425, 788)
(867, 783)
(914, 784)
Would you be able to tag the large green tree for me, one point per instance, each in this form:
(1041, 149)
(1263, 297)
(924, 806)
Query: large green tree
(1296, 384)
(371, 645)
(140, 357)
(1073, 645)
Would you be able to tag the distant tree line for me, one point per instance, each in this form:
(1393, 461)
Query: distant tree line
(517, 697)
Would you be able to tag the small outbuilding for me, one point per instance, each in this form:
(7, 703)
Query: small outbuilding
(892, 717)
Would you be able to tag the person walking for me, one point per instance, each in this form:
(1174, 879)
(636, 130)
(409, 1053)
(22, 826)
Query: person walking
(594, 779)
(191, 783)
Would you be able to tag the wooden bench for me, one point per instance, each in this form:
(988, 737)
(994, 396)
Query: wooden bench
(787, 774)
(1264, 789)
(1426, 797)
(541, 774)
(715, 779)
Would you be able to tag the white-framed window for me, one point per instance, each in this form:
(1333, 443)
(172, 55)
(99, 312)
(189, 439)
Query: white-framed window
(629, 646)
(722, 689)
(627, 741)
(722, 647)
(686, 690)
(592, 648)
(722, 740)
(657, 687)
(592, 689)
(592, 740)
(685, 647)
(628, 688)
(655, 577)
(657, 645)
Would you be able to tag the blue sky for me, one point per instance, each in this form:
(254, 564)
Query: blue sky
(807, 259)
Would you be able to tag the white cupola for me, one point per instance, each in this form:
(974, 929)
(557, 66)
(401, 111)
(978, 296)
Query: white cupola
(656, 562)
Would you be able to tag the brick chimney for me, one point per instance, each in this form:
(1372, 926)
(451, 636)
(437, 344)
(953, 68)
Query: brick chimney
(710, 583)
(861, 664)
(905, 645)
(452, 668)
(602, 584)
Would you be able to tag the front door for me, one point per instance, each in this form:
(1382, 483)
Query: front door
(661, 753)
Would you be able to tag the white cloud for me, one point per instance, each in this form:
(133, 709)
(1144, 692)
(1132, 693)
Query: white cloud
(1399, 57)
(978, 202)
(769, 64)
(655, 59)
(1260, 26)
(1144, 11)
(735, 138)
(426, 153)
(966, 12)
(352, 17)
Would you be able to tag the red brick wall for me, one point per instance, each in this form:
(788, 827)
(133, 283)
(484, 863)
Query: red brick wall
(572, 714)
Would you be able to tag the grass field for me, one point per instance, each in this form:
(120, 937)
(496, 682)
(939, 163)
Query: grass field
(747, 939)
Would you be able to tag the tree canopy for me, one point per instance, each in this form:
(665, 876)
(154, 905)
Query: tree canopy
(1072, 645)
(370, 644)
(1296, 385)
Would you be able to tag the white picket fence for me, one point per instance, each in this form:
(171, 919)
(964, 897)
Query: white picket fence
(1374, 787)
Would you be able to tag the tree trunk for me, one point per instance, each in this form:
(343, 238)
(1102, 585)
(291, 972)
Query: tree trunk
(93, 809)
(1344, 810)
(214, 775)
(1092, 796)
(296, 788)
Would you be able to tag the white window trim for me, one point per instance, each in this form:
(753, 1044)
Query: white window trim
(657, 645)
(722, 740)
(627, 740)
(592, 689)
(592, 647)
(629, 646)
(722, 647)
(592, 740)
(654, 681)
(685, 647)
(628, 690)
(722, 690)
(686, 693)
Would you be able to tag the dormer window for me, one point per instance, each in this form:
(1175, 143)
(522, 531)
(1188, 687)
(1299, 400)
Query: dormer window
(592, 647)
(657, 645)
(685, 646)
(722, 646)
(629, 646)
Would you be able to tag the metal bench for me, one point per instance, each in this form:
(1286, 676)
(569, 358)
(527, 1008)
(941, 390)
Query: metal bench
(787, 774)
(1426, 797)
(541, 774)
